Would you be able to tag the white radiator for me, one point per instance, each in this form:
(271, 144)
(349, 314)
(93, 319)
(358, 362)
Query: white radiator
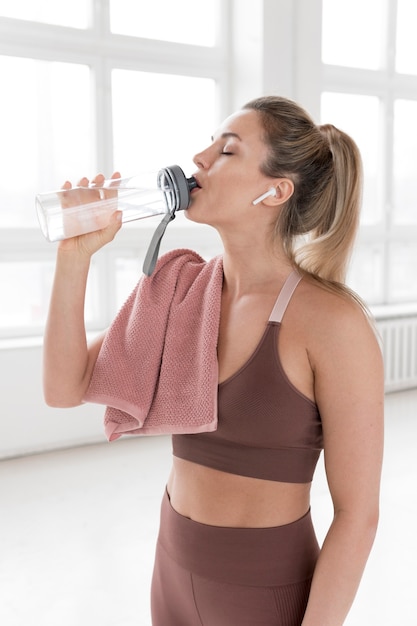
(399, 345)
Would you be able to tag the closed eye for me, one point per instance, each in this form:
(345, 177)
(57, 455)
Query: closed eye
(227, 153)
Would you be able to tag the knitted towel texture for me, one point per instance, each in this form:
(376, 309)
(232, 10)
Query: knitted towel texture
(157, 368)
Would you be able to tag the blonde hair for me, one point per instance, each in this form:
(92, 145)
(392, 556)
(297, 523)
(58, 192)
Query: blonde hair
(319, 222)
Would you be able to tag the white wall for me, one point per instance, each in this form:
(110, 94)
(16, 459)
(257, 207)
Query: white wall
(26, 423)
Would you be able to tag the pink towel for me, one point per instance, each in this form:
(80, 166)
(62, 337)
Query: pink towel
(157, 368)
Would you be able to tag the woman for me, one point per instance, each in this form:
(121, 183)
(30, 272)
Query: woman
(236, 542)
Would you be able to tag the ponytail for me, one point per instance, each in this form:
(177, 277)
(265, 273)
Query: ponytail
(326, 251)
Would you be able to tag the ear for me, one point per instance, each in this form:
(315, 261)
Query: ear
(284, 188)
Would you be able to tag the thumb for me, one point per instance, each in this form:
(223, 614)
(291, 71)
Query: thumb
(113, 226)
(108, 233)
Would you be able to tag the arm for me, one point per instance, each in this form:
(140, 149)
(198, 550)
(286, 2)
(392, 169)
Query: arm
(349, 388)
(68, 360)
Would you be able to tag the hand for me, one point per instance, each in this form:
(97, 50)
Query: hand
(104, 222)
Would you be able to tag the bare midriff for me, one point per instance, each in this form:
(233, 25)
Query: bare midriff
(217, 498)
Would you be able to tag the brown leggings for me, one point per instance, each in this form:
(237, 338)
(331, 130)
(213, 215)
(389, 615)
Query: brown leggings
(216, 576)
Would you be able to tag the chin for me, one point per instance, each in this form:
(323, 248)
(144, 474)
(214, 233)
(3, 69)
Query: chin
(194, 216)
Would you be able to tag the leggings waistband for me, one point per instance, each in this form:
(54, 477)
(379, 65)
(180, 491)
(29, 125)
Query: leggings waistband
(275, 556)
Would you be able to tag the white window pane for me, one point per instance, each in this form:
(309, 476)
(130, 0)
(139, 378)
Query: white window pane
(160, 120)
(182, 21)
(402, 275)
(26, 288)
(45, 122)
(359, 116)
(74, 14)
(128, 270)
(354, 33)
(406, 41)
(405, 163)
(365, 274)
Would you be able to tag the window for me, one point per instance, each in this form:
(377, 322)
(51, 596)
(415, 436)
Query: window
(406, 43)
(74, 14)
(347, 39)
(48, 130)
(404, 162)
(178, 131)
(95, 86)
(370, 90)
(183, 21)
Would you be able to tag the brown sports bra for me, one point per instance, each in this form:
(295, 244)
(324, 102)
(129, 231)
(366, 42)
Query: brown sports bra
(266, 428)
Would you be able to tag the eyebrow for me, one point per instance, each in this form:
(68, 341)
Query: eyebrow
(227, 135)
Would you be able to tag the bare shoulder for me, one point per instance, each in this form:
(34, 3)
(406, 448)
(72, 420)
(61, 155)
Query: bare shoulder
(330, 317)
(342, 344)
(329, 347)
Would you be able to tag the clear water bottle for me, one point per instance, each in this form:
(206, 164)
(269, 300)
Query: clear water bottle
(67, 213)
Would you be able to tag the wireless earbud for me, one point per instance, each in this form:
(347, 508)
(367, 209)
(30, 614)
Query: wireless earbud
(271, 192)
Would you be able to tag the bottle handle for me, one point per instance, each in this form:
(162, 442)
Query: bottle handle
(153, 249)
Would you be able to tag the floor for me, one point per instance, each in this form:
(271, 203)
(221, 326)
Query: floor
(78, 527)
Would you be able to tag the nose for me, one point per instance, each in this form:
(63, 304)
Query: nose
(202, 159)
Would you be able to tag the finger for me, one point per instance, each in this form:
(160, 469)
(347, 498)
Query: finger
(98, 180)
(65, 198)
(116, 178)
(116, 220)
(108, 233)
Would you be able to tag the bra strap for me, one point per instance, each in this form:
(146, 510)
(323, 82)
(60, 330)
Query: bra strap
(284, 297)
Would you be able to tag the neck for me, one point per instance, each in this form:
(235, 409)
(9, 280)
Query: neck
(252, 267)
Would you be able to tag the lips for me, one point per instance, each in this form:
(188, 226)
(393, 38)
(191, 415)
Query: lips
(197, 181)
